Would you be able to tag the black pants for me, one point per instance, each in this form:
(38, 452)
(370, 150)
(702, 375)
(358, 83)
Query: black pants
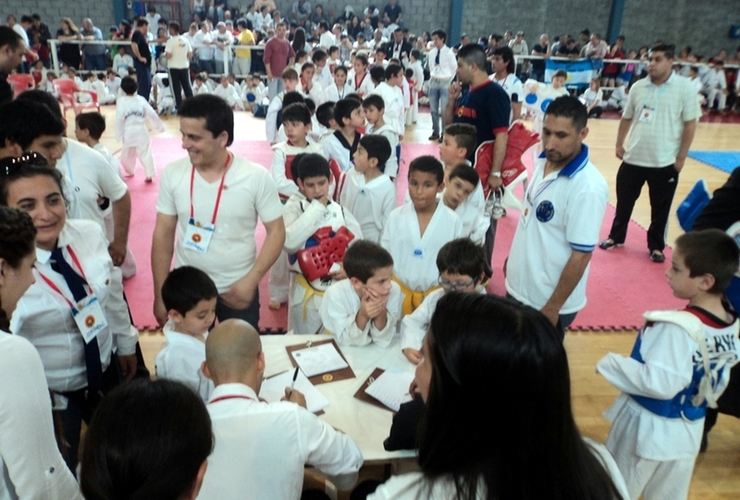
(661, 188)
(180, 79)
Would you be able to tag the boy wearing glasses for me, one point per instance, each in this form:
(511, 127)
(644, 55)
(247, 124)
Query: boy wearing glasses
(461, 265)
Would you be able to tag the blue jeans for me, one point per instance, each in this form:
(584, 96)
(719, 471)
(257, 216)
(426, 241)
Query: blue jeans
(143, 78)
(437, 103)
(207, 65)
(274, 87)
(95, 62)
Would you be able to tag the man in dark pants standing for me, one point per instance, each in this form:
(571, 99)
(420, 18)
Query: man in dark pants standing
(660, 115)
(178, 52)
(142, 58)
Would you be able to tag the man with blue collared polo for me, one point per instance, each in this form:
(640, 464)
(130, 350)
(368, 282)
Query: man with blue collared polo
(559, 227)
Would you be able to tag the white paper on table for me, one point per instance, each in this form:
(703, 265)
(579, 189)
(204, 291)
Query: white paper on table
(391, 388)
(273, 389)
(319, 359)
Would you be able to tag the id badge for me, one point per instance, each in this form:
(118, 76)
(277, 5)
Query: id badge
(89, 317)
(197, 238)
(647, 114)
(526, 214)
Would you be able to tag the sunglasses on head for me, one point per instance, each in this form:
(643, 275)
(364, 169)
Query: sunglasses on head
(12, 163)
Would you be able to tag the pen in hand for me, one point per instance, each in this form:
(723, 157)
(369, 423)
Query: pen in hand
(292, 384)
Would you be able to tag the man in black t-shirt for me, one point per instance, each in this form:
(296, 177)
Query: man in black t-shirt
(542, 49)
(142, 57)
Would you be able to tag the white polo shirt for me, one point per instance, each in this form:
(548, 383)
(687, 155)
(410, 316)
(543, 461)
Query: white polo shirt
(249, 192)
(562, 212)
(654, 140)
(178, 46)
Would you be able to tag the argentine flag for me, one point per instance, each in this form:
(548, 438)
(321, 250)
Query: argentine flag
(580, 72)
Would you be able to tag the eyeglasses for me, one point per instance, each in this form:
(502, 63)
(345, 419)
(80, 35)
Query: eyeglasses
(452, 287)
(12, 163)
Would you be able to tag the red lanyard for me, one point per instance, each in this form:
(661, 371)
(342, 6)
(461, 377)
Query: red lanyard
(53, 285)
(218, 196)
(224, 398)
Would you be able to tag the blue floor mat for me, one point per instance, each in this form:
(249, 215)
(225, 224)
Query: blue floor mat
(726, 161)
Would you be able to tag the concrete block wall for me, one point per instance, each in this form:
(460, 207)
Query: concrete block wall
(51, 11)
(703, 25)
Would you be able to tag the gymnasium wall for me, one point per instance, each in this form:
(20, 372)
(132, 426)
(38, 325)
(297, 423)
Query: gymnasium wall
(703, 25)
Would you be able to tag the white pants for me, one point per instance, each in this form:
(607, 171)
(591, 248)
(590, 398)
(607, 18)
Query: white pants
(303, 315)
(720, 96)
(141, 147)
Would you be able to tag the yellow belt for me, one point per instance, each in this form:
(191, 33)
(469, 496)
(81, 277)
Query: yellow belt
(412, 298)
(310, 291)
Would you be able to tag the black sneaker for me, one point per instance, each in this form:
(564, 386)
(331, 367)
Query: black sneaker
(609, 243)
(434, 137)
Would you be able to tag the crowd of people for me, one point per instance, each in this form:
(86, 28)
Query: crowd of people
(348, 260)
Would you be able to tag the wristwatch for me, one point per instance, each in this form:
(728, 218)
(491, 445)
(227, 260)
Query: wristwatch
(495, 174)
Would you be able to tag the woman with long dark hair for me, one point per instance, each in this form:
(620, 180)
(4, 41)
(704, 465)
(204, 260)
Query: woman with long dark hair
(30, 463)
(498, 422)
(69, 49)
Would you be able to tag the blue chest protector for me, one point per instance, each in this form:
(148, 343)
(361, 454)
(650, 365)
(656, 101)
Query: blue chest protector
(680, 406)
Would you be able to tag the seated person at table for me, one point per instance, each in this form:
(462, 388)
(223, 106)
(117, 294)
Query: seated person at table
(461, 265)
(365, 307)
(261, 449)
(307, 214)
(416, 231)
(486, 345)
(189, 295)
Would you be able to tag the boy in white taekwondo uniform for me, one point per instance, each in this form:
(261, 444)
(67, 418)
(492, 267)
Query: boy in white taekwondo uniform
(341, 145)
(390, 91)
(416, 231)
(365, 190)
(305, 214)
(461, 187)
(228, 93)
(132, 113)
(365, 307)
(374, 107)
(261, 449)
(680, 363)
(461, 266)
(559, 227)
(190, 298)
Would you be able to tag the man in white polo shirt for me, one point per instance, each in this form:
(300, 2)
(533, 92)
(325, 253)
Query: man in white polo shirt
(211, 200)
(564, 207)
(660, 114)
(178, 52)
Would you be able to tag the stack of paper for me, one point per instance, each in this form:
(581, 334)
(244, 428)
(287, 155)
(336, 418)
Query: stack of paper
(320, 359)
(391, 388)
(273, 389)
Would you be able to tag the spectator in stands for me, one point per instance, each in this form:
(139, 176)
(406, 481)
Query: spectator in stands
(392, 12)
(519, 47)
(40, 31)
(69, 49)
(94, 52)
(541, 49)
(611, 70)
(568, 48)
(597, 48)
(585, 36)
